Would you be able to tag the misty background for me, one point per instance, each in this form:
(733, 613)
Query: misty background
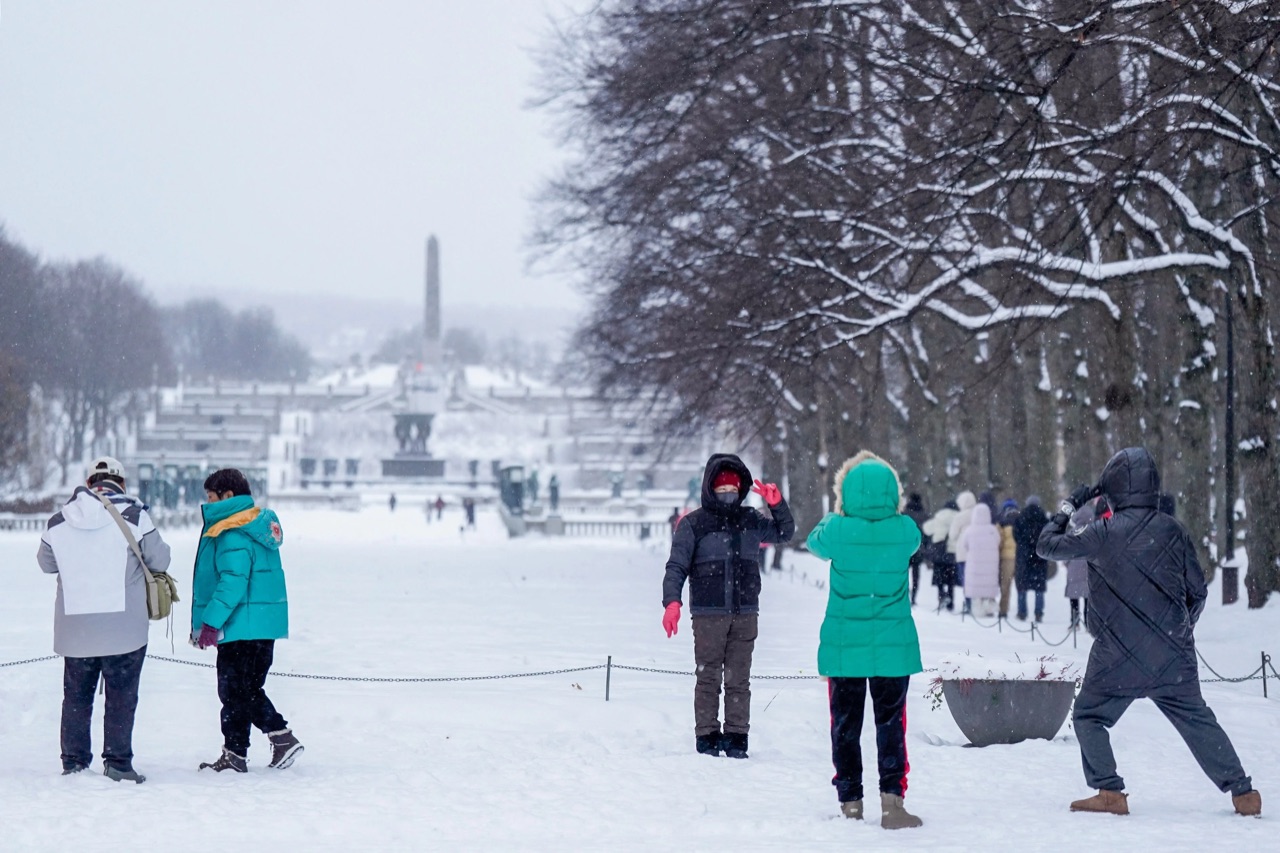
(291, 155)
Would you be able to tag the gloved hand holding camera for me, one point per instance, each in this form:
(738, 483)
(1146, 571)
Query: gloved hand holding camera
(1081, 496)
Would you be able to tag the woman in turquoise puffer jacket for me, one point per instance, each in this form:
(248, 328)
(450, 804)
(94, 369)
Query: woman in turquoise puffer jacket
(868, 638)
(239, 604)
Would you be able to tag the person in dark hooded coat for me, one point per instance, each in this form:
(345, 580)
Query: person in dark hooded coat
(717, 548)
(1032, 571)
(1146, 591)
(915, 511)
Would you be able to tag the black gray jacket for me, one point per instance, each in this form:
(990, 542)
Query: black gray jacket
(717, 547)
(1146, 587)
(101, 607)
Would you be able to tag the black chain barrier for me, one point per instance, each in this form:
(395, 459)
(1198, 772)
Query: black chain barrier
(1259, 673)
(29, 660)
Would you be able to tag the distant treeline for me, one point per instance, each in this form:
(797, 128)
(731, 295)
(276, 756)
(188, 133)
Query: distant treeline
(81, 340)
(994, 241)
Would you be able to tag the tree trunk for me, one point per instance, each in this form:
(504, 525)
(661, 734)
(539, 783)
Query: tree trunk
(1258, 421)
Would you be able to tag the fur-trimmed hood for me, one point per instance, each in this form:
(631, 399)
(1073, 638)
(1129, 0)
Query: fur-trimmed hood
(867, 486)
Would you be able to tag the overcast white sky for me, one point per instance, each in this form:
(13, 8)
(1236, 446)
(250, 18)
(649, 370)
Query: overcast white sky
(280, 146)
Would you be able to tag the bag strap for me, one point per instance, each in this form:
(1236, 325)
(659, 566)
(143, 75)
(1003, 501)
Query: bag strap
(128, 534)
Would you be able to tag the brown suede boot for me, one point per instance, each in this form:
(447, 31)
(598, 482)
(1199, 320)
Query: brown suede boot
(1106, 802)
(1248, 804)
(893, 815)
(852, 809)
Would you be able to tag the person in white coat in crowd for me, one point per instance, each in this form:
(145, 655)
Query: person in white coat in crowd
(981, 543)
(966, 502)
(944, 565)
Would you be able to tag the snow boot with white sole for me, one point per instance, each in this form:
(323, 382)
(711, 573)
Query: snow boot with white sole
(284, 748)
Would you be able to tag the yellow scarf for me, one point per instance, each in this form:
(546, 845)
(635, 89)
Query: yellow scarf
(240, 519)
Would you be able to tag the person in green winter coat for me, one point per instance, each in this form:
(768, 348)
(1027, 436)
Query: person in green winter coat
(240, 606)
(868, 638)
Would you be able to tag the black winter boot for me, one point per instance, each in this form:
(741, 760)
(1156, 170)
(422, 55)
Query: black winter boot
(708, 744)
(734, 744)
(284, 748)
(228, 761)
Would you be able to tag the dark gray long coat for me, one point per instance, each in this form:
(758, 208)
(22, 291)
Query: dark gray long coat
(1146, 587)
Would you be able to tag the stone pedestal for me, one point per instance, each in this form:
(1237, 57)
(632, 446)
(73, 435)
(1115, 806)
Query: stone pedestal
(413, 466)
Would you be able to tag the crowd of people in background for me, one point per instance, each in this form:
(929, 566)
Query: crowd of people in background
(988, 550)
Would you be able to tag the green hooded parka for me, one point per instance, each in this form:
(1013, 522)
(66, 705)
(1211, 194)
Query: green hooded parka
(868, 630)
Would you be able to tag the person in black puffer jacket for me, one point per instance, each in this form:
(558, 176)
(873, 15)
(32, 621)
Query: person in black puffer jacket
(1032, 571)
(717, 547)
(1146, 591)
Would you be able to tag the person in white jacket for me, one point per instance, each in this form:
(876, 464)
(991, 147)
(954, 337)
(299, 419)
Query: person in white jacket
(100, 622)
(981, 541)
(965, 501)
(943, 562)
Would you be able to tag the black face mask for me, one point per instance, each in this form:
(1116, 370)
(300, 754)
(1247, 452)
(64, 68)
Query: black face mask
(727, 497)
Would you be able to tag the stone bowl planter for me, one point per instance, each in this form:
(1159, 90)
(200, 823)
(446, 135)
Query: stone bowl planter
(991, 711)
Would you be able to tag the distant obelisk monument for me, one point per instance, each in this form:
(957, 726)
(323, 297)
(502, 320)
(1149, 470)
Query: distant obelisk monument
(431, 348)
(421, 384)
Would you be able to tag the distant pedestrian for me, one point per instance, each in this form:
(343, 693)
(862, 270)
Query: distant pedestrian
(915, 511)
(966, 502)
(868, 637)
(391, 502)
(239, 605)
(1032, 573)
(1008, 553)
(553, 493)
(1077, 586)
(100, 621)
(439, 507)
(1146, 591)
(469, 509)
(937, 529)
(981, 541)
(717, 549)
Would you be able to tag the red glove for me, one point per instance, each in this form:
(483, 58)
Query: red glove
(770, 492)
(671, 618)
(208, 637)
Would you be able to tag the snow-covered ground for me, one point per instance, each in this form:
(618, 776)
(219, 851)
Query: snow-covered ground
(545, 763)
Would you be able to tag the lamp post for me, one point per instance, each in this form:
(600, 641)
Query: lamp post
(1230, 572)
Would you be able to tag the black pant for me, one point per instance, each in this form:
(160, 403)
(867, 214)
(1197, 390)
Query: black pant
(79, 680)
(915, 579)
(848, 697)
(1095, 712)
(242, 670)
